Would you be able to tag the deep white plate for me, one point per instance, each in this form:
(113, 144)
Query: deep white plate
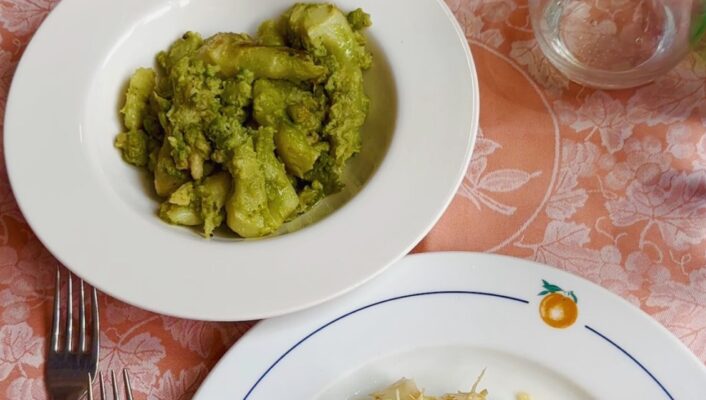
(440, 319)
(96, 214)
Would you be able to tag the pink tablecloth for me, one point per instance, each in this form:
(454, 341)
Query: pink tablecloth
(608, 185)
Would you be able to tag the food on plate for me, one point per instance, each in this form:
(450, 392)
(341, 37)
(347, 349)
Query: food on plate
(250, 131)
(406, 389)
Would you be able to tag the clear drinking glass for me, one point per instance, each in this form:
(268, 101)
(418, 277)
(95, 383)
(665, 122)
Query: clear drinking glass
(616, 44)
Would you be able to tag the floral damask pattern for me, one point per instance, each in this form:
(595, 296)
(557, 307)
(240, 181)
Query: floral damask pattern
(479, 184)
(622, 204)
(627, 207)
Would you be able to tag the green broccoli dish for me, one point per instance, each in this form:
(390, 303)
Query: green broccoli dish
(250, 131)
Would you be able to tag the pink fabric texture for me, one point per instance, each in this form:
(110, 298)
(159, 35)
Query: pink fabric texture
(607, 185)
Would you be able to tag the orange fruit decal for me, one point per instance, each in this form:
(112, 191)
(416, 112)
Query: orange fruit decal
(558, 308)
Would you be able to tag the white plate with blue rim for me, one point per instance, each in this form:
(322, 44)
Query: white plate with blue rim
(441, 318)
(97, 215)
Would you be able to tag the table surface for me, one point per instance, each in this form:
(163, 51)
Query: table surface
(607, 185)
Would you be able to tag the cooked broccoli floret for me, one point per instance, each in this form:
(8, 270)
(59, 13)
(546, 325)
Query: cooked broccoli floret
(196, 102)
(324, 172)
(359, 19)
(167, 178)
(309, 196)
(198, 203)
(225, 133)
(238, 91)
(275, 101)
(182, 207)
(281, 195)
(297, 115)
(324, 31)
(134, 146)
(295, 150)
(246, 209)
(136, 100)
(213, 193)
(186, 46)
(263, 197)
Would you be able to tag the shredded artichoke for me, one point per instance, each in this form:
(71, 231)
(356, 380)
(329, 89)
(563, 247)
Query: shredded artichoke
(406, 389)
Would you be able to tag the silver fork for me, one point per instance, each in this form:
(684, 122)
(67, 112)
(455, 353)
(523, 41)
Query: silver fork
(116, 392)
(67, 365)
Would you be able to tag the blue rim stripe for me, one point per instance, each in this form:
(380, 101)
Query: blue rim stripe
(348, 314)
(639, 364)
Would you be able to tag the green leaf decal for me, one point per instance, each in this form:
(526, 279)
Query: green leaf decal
(550, 287)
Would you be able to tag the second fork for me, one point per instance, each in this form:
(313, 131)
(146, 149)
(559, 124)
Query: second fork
(114, 384)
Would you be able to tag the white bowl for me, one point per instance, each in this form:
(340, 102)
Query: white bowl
(97, 215)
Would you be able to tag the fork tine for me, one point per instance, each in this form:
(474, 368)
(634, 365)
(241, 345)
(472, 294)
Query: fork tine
(102, 386)
(89, 389)
(128, 387)
(82, 320)
(55, 315)
(95, 332)
(69, 345)
(116, 394)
